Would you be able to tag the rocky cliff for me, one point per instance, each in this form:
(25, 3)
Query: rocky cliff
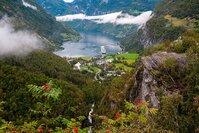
(147, 83)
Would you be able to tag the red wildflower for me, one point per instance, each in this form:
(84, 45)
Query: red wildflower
(108, 131)
(75, 130)
(14, 130)
(117, 116)
(139, 102)
(46, 86)
(41, 130)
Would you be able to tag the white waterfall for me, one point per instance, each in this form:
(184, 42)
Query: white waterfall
(90, 117)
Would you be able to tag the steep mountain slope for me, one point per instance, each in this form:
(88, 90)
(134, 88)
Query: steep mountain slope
(170, 20)
(38, 68)
(167, 77)
(96, 7)
(30, 16)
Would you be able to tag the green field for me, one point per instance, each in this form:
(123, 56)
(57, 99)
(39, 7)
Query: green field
(120, 65)
(129, 56)
(93, 69)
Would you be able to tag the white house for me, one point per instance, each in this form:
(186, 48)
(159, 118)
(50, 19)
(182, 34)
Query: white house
(77, 66)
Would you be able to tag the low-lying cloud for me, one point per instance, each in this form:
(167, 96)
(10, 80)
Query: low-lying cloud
(114, 18)
(16, 42)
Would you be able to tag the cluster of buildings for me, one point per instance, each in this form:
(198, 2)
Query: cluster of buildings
(102, 64)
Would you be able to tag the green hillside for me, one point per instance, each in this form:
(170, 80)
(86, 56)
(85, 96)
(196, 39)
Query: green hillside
(38, 21)
(38, 68)
(171, 19)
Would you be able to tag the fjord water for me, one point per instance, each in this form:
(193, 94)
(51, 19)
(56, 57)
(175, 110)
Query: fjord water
(89, 45)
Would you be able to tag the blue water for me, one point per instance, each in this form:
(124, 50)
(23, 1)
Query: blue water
(89, 45)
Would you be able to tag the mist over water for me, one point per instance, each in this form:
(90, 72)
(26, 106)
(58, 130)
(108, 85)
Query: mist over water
(89, 45)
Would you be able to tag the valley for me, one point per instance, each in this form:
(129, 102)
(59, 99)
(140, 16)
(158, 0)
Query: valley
(99, 66)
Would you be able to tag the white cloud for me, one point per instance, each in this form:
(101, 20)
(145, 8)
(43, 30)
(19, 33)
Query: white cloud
(115, 18)
(29, 5)
(68, 1)
(16, 42)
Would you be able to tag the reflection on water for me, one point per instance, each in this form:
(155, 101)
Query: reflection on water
(89, 45)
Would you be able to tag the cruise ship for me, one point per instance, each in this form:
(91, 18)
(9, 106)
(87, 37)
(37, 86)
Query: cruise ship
(103, 50)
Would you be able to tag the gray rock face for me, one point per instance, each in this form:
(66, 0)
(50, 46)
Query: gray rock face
(153, 61)
(145, 39)
(145, 82)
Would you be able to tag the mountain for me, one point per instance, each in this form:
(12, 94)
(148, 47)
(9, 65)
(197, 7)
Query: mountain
(170, 20)
(96, 7)
(28, 15)
(99, 7)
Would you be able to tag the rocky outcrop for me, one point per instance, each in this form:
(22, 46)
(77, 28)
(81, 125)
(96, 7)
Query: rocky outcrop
(144, 37)
(146, 83)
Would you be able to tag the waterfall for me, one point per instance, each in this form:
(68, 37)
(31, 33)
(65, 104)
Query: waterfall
(90, 117)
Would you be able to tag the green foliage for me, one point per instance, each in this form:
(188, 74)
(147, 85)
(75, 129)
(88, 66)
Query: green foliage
(185, 44)
(163, 32)
(48, 91)
(168, 115)
(178, 8)
(16, 73)
(45, 94)
(179, 112)
(137, 118)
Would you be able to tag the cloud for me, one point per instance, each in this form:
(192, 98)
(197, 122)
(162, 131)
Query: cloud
(16, 42)
(118, 18)
(68, 1)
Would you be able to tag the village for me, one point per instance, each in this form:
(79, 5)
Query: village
(106, 66)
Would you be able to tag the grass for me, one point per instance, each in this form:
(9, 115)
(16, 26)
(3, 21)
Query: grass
(93, 69)
(130, 62)
(176, 22)
(120, 65)
(129, 56)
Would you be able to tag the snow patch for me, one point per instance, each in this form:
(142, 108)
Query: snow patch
(29, 5)
(118, 18)
(68, 1)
